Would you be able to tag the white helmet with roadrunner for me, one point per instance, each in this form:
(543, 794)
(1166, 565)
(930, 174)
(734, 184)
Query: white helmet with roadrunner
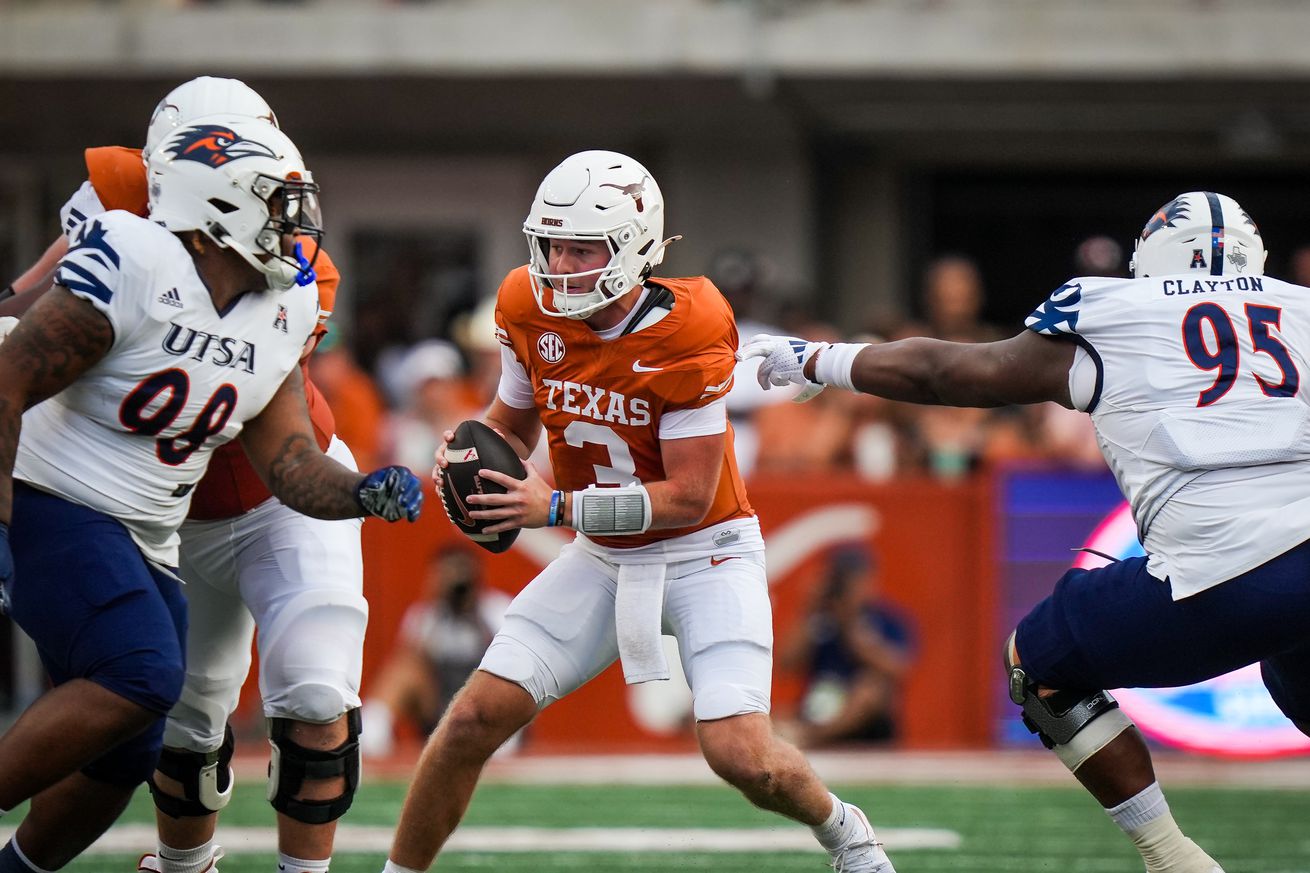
(241, 182)
(1201, 232)
(202, 96)
(595, 195)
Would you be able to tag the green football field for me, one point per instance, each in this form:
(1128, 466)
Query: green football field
(965, 828)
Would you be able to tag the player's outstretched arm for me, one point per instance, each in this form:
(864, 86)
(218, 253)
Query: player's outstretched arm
(37, 277)
(281, 446)
(60, 339)
(1027, 368)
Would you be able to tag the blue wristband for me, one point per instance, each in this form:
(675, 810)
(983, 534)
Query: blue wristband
(553, 517)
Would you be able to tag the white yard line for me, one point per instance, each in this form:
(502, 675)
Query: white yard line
(130, 839)
(872, 767)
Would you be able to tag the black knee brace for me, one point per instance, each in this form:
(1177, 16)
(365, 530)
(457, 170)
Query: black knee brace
(292, 764)
(206, 779)
(1057, 719)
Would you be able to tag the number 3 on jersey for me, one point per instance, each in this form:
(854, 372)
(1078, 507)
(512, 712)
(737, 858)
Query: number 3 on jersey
(1226, 356)
(621, 469)
(157, 401)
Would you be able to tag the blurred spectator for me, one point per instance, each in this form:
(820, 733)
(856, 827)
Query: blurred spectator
(1299, 266)
(1099, 256)
(813, 437)
(434, 398)
(942, 440)
(855, 651)
(352, 396)
(475, 332)
(441, 642)
(738, 274)
(952, 302)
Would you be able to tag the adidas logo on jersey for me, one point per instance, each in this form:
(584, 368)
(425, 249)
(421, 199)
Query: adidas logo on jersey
(171, 298)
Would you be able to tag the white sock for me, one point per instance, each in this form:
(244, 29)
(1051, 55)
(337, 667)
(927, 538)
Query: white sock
(1146, 819)
(836, 830)
(13, 841)
(393, 867)
(1140, 809)
(184, 860)
(288, 864)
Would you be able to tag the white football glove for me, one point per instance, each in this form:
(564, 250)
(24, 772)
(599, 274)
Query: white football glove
(7, 325)
(783, 360)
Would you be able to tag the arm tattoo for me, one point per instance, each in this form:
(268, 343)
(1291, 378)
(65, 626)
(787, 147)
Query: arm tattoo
(61, 338)
(310, 482)
(11, 419)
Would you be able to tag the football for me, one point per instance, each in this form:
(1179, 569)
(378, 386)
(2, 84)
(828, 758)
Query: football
(477, 447)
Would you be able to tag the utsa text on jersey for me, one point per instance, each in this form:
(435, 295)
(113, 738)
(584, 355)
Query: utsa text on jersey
(223, 351)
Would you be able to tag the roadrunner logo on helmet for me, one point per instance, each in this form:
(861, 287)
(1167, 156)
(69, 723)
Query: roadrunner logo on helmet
(1199, 232)
(602, 196)
(200, 97)
(241, 182)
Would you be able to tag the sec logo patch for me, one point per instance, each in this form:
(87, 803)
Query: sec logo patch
(551, 347)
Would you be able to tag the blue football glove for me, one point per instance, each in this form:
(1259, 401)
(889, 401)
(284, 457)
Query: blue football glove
(391, 493)
(6, 568)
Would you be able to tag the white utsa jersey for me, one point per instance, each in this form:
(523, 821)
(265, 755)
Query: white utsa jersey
(1195, 387)
(133, 435)
(85, 203)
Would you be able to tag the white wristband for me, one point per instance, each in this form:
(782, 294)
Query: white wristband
(612, 512)
(834, 364)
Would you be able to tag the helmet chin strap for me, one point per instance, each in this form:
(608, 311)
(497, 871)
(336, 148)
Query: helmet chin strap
(278, 274)
(592, 308)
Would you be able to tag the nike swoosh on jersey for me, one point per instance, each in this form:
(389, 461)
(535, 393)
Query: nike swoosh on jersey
(638, 368)
(714, 562)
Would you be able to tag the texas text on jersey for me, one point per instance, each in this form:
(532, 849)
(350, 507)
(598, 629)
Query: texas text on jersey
(602, 402)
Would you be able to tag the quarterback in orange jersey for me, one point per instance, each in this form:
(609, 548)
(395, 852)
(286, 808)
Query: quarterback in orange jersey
(627, 376)
(250, 562)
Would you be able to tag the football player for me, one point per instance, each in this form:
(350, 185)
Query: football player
(1191, 373)
(250, 561)
(627, 376)
(160, 340)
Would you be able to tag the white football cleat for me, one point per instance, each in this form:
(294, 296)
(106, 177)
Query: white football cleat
(863, 854)
(149, 862)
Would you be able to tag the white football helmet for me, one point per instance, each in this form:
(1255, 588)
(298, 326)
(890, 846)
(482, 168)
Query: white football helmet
(242, 183)
(1202, 232)
(595, 195)
(204, 95)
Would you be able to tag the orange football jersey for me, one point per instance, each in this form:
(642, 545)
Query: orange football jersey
(601, 401)
(230, 486)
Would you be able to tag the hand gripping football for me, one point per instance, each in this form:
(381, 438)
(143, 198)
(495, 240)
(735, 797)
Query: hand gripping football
(477, 447)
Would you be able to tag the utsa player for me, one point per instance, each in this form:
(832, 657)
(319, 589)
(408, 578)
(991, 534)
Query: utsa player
(159, 341)
(1191, 372)
(627, 375)
(251, 561)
